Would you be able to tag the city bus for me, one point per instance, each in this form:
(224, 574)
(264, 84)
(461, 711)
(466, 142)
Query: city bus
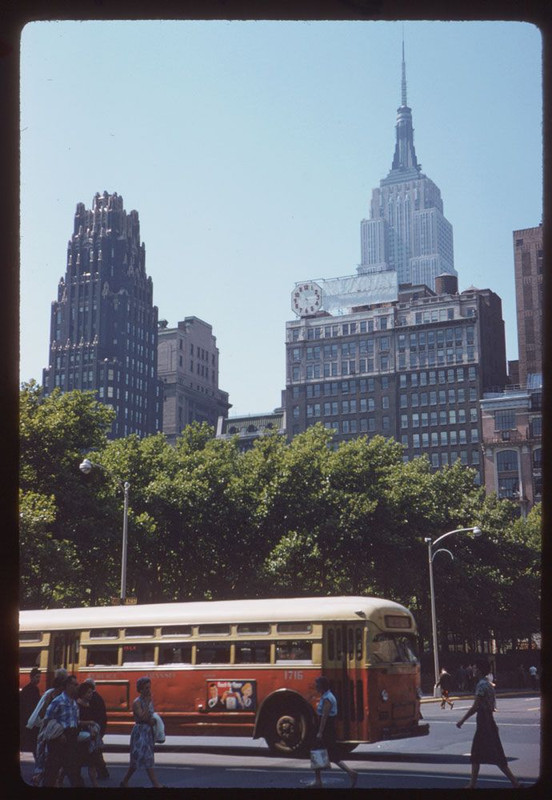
(241, 667)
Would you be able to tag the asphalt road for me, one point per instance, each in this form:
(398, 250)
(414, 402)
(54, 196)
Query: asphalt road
(439, 760)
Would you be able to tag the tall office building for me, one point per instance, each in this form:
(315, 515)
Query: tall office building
(412, 369)
(396, 350)
(103, 331)
(528, 258)
(407, 230)
(188, 364)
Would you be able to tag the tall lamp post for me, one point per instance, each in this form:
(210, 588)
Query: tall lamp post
(86, 467)
(431, 555)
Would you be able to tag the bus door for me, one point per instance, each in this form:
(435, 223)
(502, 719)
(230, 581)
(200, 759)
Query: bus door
(345, 659)
(64, 651)
(354, 680)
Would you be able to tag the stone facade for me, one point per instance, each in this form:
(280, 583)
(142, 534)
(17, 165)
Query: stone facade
(188, 364)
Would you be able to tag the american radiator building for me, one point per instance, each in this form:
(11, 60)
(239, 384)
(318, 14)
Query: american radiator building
(103, 329)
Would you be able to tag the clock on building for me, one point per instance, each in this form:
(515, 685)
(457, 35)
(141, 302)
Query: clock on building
(306, 298)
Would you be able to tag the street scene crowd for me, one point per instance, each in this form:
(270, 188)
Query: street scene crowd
(64, 727)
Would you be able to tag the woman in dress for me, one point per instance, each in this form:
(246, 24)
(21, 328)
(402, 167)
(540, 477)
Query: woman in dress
(326, 736)
(486, 747)
(141, 737)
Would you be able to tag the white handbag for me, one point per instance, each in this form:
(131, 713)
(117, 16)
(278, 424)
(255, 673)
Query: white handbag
(319, 759)
(158, 729)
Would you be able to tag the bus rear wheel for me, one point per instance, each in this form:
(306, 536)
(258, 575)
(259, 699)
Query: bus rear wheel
(289, 731)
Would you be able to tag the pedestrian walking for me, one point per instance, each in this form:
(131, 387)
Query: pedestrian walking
(61, 751)
(98, 713)
(533, 677)
(36, 722)
(326, 735)
(141, 737)
(522, 677)
(89, 742)
(445, 684)
(29, 697)
(486, 746)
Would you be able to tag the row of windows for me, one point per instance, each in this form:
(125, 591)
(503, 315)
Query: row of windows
(432, 418)
(440, 338)
(332, 369)
(365, 347)
(363, 425)
(346, 350)
(333, 388)
(441, 438)
(436, 358)
(214, 652)
(432, 377)
(414, 380)
(344, 329)
(442, 397)
(333, 408)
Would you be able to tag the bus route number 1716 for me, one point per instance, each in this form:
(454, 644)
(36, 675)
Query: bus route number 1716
(293, 675)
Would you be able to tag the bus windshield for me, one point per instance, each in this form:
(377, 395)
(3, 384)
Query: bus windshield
(393, 647)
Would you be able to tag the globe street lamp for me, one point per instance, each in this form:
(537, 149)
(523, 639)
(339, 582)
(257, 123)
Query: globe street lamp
(431, 555)
(86, 467)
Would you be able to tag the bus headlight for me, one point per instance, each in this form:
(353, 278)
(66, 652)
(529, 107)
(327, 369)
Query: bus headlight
(384, 695)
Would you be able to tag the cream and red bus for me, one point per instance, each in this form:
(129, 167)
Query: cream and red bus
(241, 667)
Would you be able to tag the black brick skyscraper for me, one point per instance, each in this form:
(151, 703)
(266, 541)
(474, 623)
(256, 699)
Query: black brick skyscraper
(103, 333)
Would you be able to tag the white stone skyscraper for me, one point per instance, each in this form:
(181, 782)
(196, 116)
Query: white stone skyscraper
(407, 230)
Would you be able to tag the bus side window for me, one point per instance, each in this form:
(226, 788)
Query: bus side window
(29, 657)
(293, 650)
(350, 642)
(252, 652)
(339, 647)
(175, 654)
(213, 653)
(331, 644)
(138, 653)
(105, 656)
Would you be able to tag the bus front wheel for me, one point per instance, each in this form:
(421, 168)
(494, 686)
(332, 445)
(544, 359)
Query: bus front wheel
(289, 731)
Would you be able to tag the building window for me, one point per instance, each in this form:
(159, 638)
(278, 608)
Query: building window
(507, 461)
(505, 420)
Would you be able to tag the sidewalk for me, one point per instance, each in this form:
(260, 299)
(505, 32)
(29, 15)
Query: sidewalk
(469, 695)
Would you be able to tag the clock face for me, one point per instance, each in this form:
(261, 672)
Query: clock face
(306, 299)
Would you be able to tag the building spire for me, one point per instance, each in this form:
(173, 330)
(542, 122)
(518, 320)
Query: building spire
(404, 159)
(403, 81)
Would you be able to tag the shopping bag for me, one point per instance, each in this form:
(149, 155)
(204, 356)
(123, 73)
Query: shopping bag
(320, 759)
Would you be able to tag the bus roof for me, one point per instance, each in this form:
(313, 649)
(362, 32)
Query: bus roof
(267, 610)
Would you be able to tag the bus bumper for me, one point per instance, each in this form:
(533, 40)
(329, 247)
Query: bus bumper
(405, 733)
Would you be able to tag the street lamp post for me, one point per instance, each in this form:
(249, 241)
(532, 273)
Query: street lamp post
(86, 467)
(476, 531)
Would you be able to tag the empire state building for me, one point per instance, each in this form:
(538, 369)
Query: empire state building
(407, 231)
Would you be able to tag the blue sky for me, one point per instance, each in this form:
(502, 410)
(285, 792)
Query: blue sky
(250, 151)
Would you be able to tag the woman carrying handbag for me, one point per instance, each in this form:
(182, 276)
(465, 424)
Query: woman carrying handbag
(326, 736)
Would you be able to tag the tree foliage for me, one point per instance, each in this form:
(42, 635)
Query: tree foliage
(282, 519)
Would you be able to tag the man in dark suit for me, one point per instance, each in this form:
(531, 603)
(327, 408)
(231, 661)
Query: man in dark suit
(28, 700)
